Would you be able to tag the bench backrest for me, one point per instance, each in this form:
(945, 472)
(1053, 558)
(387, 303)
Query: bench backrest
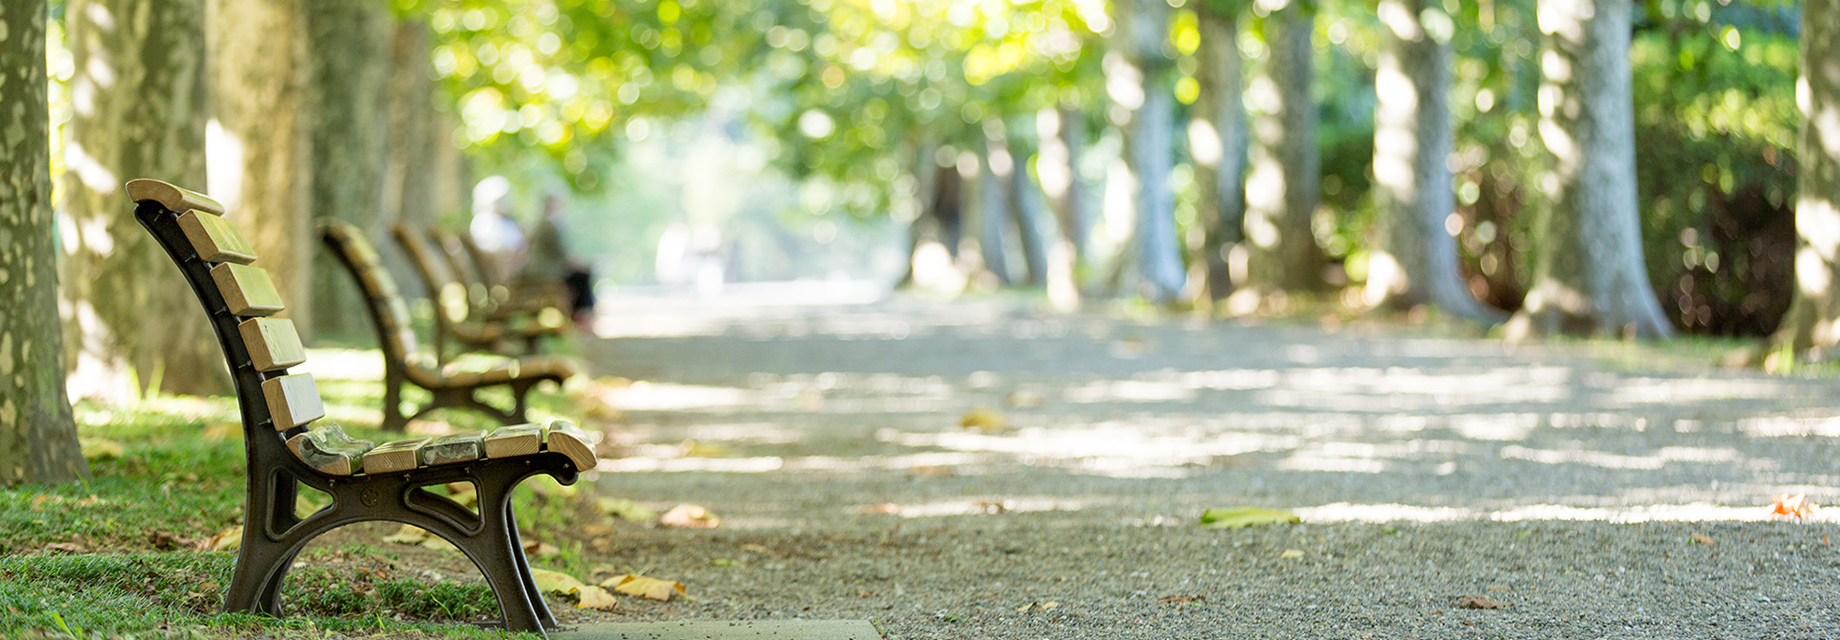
(242, 302)
(394, 332)
(448, 295)
(461, 265)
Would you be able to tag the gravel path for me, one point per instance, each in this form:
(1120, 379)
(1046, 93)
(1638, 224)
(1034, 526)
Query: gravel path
(1595, 499)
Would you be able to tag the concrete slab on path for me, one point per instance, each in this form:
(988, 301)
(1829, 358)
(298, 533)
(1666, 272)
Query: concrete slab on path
(727, 630)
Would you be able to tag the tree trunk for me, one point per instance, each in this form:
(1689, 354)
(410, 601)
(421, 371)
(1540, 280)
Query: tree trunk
(1057, 166)
(1283, 186)
(1812, 326)
(260, 89)
(38, 436)
(1217, 141)
(1415, 260)
(1142, 83)
(1026, 204)
(993, 211)
(1590, 277)
(415, 141)
(140, 103)
(351, 62)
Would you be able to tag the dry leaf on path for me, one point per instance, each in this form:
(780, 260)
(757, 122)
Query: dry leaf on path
(1238, 517)
(1291, 554)
(1705, 540)
(540, 549)
(689, 516)
(229, 539)
(1038, 606)
(644, 587)
(408, 534)
(1796, 506)
(1479, 602)
(164, 541)
(983, 419)
(555, 581)
(593, 597)
(66, 547)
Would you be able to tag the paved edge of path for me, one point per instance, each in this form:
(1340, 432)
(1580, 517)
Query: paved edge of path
(726, 630)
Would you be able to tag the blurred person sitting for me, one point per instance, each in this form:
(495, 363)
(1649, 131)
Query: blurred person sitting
(492, 228)
(549, 270)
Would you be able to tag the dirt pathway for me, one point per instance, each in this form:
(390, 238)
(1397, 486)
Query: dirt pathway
(829, 440)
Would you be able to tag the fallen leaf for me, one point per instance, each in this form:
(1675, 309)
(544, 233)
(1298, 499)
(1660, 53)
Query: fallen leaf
(644, 587)
(1291, 554)
(626, 510)
(89, 502)
(1181, 599)
(541, 549)
(66, 547)
(1705, 540)
(689, 516)
(593, 597)
(408, 534)
(982, 419)
(101, 448)
(555, 581)
(229, 539)
(167, 542)
(1038, 606)
(993, 506)
(1238, 517)
(438, 543)
(464, 493)
(1479, 602)
(1797, 506)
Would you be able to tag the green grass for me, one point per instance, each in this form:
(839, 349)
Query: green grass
(172, 469)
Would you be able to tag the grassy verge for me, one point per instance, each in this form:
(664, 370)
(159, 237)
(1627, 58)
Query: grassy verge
(119, 555)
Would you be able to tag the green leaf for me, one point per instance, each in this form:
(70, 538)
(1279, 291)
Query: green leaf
(1240, 517)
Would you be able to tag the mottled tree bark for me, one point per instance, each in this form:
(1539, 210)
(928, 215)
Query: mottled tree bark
(1284, 183)
(1590, 276)
(1812, 326)
(1142, 83)
(1030, 211)
(139, 107)
(1217, 141)
(260, 165)
(351, 52)
(38, 436)
(1415, 258)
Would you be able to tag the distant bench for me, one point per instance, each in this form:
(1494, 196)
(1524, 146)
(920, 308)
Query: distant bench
(366, 482)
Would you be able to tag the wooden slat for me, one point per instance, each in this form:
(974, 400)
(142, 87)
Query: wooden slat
(329, 450)
(520, 440)
(293, 400)
(247, 290)
(391, 457)
(175, 199)
(569, 440)
(273, 343)
(454, 448)
(216, 239)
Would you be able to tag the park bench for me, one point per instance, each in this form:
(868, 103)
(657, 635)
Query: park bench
(491, 300)
(284, 450)
(404, 363)
(454, 316)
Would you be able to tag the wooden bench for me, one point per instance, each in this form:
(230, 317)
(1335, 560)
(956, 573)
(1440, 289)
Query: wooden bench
(491, 300)
(365, 482)
(456, 320)
(404, 363)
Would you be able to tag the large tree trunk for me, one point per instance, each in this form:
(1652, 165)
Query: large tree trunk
(1026, 204)
(415, 141)
(351, 63)
(1217, 141)
(1812, 326)
(38, 437)
(1057, 166)
(993, 211)
(1141, 82)
(1590, 277)
(1283, 186)
(139, 111)
(260, 167)
(1415, 261)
